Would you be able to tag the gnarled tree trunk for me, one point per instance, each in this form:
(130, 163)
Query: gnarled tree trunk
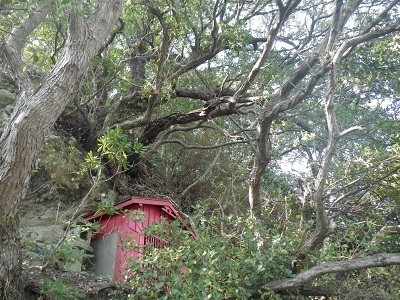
(35, 112)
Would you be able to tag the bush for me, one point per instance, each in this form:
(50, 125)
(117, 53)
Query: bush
(58, 290)
(226, 257)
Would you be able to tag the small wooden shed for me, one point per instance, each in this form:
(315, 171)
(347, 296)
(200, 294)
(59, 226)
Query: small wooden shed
(110, 258)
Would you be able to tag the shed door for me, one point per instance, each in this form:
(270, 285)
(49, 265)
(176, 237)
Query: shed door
(104, 254)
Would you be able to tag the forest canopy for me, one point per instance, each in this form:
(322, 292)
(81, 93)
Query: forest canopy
(274, 125)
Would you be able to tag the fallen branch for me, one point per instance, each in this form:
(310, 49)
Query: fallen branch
(283, 285)
(395, 229)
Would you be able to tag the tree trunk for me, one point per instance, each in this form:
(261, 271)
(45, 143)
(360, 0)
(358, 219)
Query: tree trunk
(10, 259)
(34, 113)
(261, 159)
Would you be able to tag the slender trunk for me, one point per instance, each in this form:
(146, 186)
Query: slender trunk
(260, 161)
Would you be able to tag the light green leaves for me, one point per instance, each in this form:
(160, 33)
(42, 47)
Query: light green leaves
(116, 146)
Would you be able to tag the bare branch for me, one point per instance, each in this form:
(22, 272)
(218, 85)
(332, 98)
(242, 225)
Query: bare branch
(380, 17)
(20, 33)
(265, 54)
(167, 134)
(353, 42)
(335, 26)
(347, 185)
(113, 34)
(350, 130)
(179, 142)
(367, 186)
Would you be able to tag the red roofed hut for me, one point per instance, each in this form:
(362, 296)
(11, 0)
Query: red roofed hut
(110, 258)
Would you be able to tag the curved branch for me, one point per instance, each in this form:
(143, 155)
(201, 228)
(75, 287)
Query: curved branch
(27, 26)
(347, 46)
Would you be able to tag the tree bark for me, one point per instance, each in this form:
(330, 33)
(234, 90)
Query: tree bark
(35, 112)
(10, 259)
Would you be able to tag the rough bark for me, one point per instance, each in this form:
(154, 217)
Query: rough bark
(10, 260)
(36, 111)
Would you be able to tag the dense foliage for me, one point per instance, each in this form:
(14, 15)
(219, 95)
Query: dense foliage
(279, 119)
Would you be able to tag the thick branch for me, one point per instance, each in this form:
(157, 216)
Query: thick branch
(20, 33)
(322, 229)
(350, 130)
(279, 103)
(12, 49)
(201, 94)
(112, 36)
(335, 26)
(154, 128)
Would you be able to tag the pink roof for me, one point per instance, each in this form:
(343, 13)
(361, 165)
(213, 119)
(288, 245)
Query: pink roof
(141, 200)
